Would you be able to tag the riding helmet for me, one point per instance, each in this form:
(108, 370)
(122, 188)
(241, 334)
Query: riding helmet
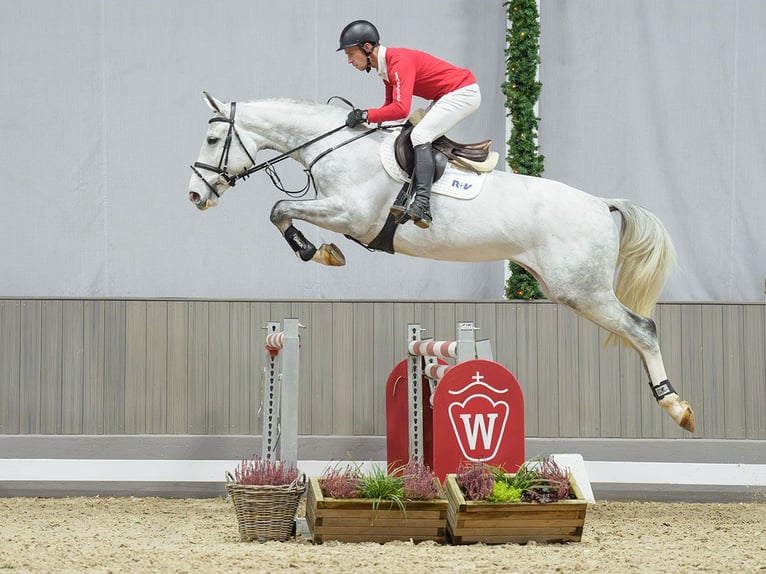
(357, 33)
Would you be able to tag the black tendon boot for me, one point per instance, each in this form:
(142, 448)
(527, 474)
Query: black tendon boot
(423, 174)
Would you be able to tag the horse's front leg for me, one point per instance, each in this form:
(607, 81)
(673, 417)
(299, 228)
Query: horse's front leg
(321, 212)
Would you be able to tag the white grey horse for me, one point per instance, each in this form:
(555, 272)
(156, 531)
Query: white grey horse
(566, 238)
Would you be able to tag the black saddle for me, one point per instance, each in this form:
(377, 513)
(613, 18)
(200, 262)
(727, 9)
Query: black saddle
(444, 150)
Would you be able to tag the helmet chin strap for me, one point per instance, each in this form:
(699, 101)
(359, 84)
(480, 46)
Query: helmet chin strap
(368, 54)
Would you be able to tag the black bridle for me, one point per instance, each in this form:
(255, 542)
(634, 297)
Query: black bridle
(231, 179)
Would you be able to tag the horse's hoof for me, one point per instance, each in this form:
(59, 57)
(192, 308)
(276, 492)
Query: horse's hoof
(687, 421)
(330, 254)
(679, 411)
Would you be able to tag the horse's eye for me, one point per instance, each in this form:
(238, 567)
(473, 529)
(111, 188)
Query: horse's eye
(212, 140)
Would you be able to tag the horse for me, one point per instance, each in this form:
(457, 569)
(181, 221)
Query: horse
(566, 238)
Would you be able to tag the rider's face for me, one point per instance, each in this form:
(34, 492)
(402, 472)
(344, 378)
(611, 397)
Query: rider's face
(356, 57)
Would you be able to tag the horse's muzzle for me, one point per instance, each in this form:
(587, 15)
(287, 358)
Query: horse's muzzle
(195, 198)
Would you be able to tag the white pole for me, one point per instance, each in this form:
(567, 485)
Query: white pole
(288, 444)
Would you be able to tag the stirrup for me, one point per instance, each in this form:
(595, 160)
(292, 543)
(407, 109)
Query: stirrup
(397, 210)
(420, 215)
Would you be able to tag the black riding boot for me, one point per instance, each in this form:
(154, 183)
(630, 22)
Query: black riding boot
(420, 210)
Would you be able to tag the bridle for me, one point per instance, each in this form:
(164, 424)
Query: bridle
(223, 163)
(231, 179)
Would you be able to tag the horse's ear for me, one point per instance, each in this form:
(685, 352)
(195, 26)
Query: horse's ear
(214, 104)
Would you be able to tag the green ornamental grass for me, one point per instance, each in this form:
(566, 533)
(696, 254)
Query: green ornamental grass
(379, 485)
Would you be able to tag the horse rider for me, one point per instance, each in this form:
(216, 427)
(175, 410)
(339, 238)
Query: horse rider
(453, 92)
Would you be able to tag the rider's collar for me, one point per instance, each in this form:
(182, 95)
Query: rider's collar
(382, 65)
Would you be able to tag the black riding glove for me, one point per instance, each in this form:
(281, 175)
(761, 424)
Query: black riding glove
(356, 117)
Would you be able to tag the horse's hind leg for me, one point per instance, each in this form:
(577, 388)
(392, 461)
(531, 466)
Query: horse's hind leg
(641, 333)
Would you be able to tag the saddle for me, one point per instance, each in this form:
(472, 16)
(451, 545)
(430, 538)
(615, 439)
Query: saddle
(474, 157)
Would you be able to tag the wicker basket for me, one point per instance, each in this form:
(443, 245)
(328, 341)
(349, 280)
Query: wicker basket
(265, 512)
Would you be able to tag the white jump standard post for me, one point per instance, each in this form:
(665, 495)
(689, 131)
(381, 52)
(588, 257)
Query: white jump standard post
(280, 393)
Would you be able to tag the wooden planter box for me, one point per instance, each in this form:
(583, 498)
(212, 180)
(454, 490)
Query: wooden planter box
(469, 522)
(354, 520)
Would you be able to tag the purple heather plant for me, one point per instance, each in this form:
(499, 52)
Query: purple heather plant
(419, 481)
(337, 482)
(475, 479)
(551, 484)
(264, 472)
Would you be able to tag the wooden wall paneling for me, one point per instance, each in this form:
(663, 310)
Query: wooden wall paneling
(114, 367)
(219, 383)
(195, 367)
(94, 313)
(321, 367)
(713, 369)
(157, 338)
(546, 406)
(588, 368)
(732, 387)
(486, 320)
(387, 352)
(135, 367)
(425, 313)
(568, 376)
(241, 348)
(610, 389)
(198, 370)
(178, 364)
(10, 367)
(30, 367)
(73, 366)
(755, 371)
(692, 351)
(633, 392)
(280, 310)
(313, 329)
(504, 342)
(365, 377)
(51, 366)
(445, 323)
(466, 312)
(404, 314)
(516, 350)
(341, 348)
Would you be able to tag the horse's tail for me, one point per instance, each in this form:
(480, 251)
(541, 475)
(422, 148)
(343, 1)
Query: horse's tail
(646, 257)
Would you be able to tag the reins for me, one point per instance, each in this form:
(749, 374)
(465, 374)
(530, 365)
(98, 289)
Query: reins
(268, 165)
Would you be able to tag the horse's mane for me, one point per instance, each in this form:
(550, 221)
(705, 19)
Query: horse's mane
(285, 101)
(319, 106)
(317, 110)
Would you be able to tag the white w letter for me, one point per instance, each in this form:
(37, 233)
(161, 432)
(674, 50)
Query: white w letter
(479, 425)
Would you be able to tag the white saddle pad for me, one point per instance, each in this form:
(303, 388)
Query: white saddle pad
(456, 182)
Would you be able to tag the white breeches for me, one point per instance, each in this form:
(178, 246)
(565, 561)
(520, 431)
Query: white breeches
(446, 113)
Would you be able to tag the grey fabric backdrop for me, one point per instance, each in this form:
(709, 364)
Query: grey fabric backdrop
(102, 114)
(660, 101)
(663, 102)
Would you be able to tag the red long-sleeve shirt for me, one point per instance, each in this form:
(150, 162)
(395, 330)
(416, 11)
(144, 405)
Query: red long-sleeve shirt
(414, 73)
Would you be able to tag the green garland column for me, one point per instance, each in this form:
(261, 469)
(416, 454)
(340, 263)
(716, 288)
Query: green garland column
(521, 92)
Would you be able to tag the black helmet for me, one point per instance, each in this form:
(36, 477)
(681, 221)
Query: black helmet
(357, 33)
